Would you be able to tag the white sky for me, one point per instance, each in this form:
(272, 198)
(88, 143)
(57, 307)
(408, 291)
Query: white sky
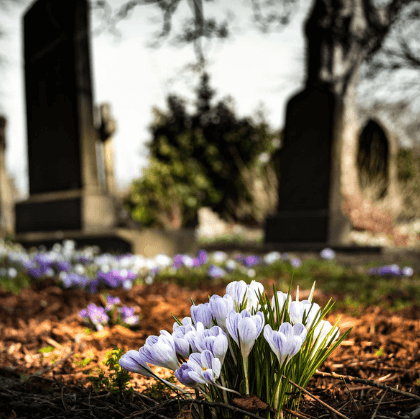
(252, 67)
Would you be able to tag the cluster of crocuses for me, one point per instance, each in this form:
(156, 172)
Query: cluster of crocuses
(96, 317)
(392, 270)
(243, 343)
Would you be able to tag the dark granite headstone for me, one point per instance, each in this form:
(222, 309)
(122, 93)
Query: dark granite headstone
(59, 109)
(305, 162)
(306, 151)
(55, 39)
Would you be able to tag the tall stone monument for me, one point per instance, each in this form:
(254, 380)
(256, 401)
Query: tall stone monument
(318, 161)
(63, 176)
(309, 213)
(66, 198)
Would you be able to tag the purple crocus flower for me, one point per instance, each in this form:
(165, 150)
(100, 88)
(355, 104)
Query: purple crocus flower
(97, 315)
(84, 259)
(93, 286)
(251, 260)
(178, 261)
(126, 311)
(83, 313)
(389, 270)
(196, 262)
(64, 266)
(35, 272)
(202, 256)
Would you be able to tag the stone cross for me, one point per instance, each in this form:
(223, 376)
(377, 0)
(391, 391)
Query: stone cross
(106, 130)
(6, 193)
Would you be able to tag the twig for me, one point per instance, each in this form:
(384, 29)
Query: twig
(368, 382)
(138, 414)
(62, 399)
(333, 410)
(351, 395)
(379, 403)
(295, 413)
(54, 365)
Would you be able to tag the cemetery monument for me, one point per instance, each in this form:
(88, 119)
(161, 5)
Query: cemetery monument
(66, 198)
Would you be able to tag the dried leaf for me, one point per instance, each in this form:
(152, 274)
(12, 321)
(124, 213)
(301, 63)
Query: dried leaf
(250, 403)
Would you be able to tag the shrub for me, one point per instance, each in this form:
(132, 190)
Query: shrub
(209, 158)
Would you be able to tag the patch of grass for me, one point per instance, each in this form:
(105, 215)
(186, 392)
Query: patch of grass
(45, 350)
(159, 391)
(351, 287)
(15, 285)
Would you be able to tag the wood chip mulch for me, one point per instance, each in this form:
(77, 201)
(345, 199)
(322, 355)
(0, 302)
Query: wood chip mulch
(375, 373)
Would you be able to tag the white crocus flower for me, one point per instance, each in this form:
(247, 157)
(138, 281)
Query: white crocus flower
(160, 351)
(303, 312)
(324, 330)
(286, 342)
(220, 308)
(245, 328)
(281, 298)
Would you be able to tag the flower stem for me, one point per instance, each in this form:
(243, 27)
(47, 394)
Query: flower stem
(246, 376)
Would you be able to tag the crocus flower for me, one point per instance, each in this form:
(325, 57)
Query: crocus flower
(303, 312)
(216, 343)
(204, 368)
(215, 271)
(178, 261)
(202, 313)
(230, 265)
(407, 271)
(187, 260)
(251, 260)
(327, 254)
(160, 351)
(281, 298)
(286, 342)
(135, 361)
(254, 289)
(323, 330)
(202, 256)
(64, 266)
(126, 311)
(389, 270)
(296, 262)
(237, 290)
(220, 308)
(272, 257)
(219, 256)
(183, 376)
(245, 328)
(187, 336)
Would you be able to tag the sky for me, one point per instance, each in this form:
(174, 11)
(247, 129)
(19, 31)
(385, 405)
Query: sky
(252, 67)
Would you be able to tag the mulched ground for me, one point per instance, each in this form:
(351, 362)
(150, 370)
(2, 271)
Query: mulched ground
(383, 347)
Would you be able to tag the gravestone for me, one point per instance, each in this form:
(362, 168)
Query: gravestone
(63, 178)
(66, 199)
(305, 211)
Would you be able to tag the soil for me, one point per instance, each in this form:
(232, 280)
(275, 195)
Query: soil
(383, 346)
